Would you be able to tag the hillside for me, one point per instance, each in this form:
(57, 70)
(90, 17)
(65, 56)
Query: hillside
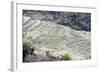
(51, 41)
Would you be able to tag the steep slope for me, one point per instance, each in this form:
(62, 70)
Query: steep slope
(75, 20)
(58, 40)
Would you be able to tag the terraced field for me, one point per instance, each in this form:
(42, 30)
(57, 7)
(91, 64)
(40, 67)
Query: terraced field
(58, 40)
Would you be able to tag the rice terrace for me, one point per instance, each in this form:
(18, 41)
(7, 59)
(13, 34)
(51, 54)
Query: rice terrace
(56, 36)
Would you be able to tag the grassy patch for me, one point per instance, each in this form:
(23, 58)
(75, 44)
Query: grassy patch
(66, 57)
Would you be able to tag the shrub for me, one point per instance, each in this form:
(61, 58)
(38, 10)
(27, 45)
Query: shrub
(27, 50)
(26, 45)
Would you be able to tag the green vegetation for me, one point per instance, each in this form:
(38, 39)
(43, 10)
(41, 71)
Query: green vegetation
(27, 46)
(66, 57)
